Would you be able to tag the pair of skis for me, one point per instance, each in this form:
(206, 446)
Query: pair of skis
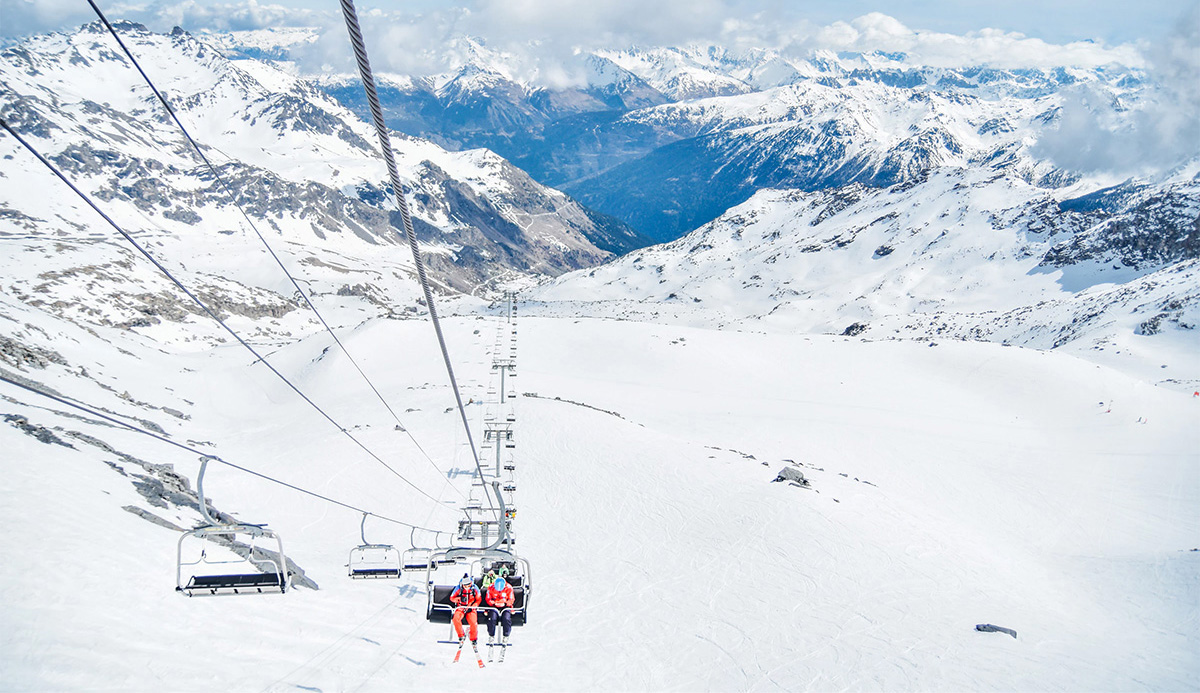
(503, 648)
(475, 647)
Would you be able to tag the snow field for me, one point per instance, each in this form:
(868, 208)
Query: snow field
(663, 558)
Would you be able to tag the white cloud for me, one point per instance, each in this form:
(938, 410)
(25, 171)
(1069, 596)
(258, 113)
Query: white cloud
(541, 39)
(1094, 134)
(24, 17)
(248, 14)
(544, 35)
(879, 32)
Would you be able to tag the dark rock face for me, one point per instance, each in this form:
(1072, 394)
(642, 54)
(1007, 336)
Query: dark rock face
(22, 355)
(1134, 225)
(38, 431)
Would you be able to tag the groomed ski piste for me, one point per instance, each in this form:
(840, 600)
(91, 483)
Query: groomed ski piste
(950, 485)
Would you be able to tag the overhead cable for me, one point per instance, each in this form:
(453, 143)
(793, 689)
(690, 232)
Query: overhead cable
(213, 169)
(385, 144)
(54, 169)
(100, 415)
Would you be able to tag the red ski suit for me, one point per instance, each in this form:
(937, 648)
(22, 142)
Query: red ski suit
(500, 598)
(466, 599)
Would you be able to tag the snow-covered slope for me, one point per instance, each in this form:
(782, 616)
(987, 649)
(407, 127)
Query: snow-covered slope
(304, 166)
(949, 487)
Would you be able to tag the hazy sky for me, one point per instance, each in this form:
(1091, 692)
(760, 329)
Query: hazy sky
(1055, 21)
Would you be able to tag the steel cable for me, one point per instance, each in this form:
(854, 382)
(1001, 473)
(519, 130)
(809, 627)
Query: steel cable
(111, 419)
(220, 179)
(54, 169)
(385, 143)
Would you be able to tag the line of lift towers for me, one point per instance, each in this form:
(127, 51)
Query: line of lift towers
(222, 558)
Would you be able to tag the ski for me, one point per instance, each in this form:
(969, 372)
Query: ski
(458, 652)
(478, 658)
(503, 649)
(490, 645)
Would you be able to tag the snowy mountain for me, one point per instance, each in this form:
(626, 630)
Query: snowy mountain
(832, 127)
(304, 167)
(964, 254)
(667, 139)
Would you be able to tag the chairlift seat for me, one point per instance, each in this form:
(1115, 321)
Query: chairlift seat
(242, 583)
(442, 611)
(376, 572)
(374, 561)
(270, 571)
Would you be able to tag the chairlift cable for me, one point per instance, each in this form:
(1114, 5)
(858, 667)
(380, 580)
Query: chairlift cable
(112, 419)
(54, 169)
(271, 251)
(385, 142)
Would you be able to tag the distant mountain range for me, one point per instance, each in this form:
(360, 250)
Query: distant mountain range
(304, 168)
(856, 194)
(666, 139)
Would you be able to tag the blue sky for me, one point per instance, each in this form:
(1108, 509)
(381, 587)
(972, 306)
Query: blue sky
(1055, 21)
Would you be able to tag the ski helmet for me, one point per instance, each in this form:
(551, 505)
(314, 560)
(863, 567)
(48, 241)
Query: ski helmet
(466, 580)
(499, 584)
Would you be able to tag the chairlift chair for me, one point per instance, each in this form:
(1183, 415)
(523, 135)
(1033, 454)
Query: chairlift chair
(210, 576)
(373, 561)
(415, 559)
(438, 607)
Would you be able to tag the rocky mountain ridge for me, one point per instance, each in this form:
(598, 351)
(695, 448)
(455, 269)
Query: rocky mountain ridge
(302, 166)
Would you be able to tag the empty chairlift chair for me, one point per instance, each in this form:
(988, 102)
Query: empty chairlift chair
(224, 559)
(376, 561)
(416, 558)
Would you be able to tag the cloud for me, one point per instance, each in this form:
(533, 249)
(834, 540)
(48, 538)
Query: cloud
(1098, 133)
(992, 47)
(544, 35)
(541, 40)
(25, 17)
(239, 16)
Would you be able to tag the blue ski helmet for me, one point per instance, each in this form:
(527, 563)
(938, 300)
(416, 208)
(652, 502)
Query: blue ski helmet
(499, 584)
